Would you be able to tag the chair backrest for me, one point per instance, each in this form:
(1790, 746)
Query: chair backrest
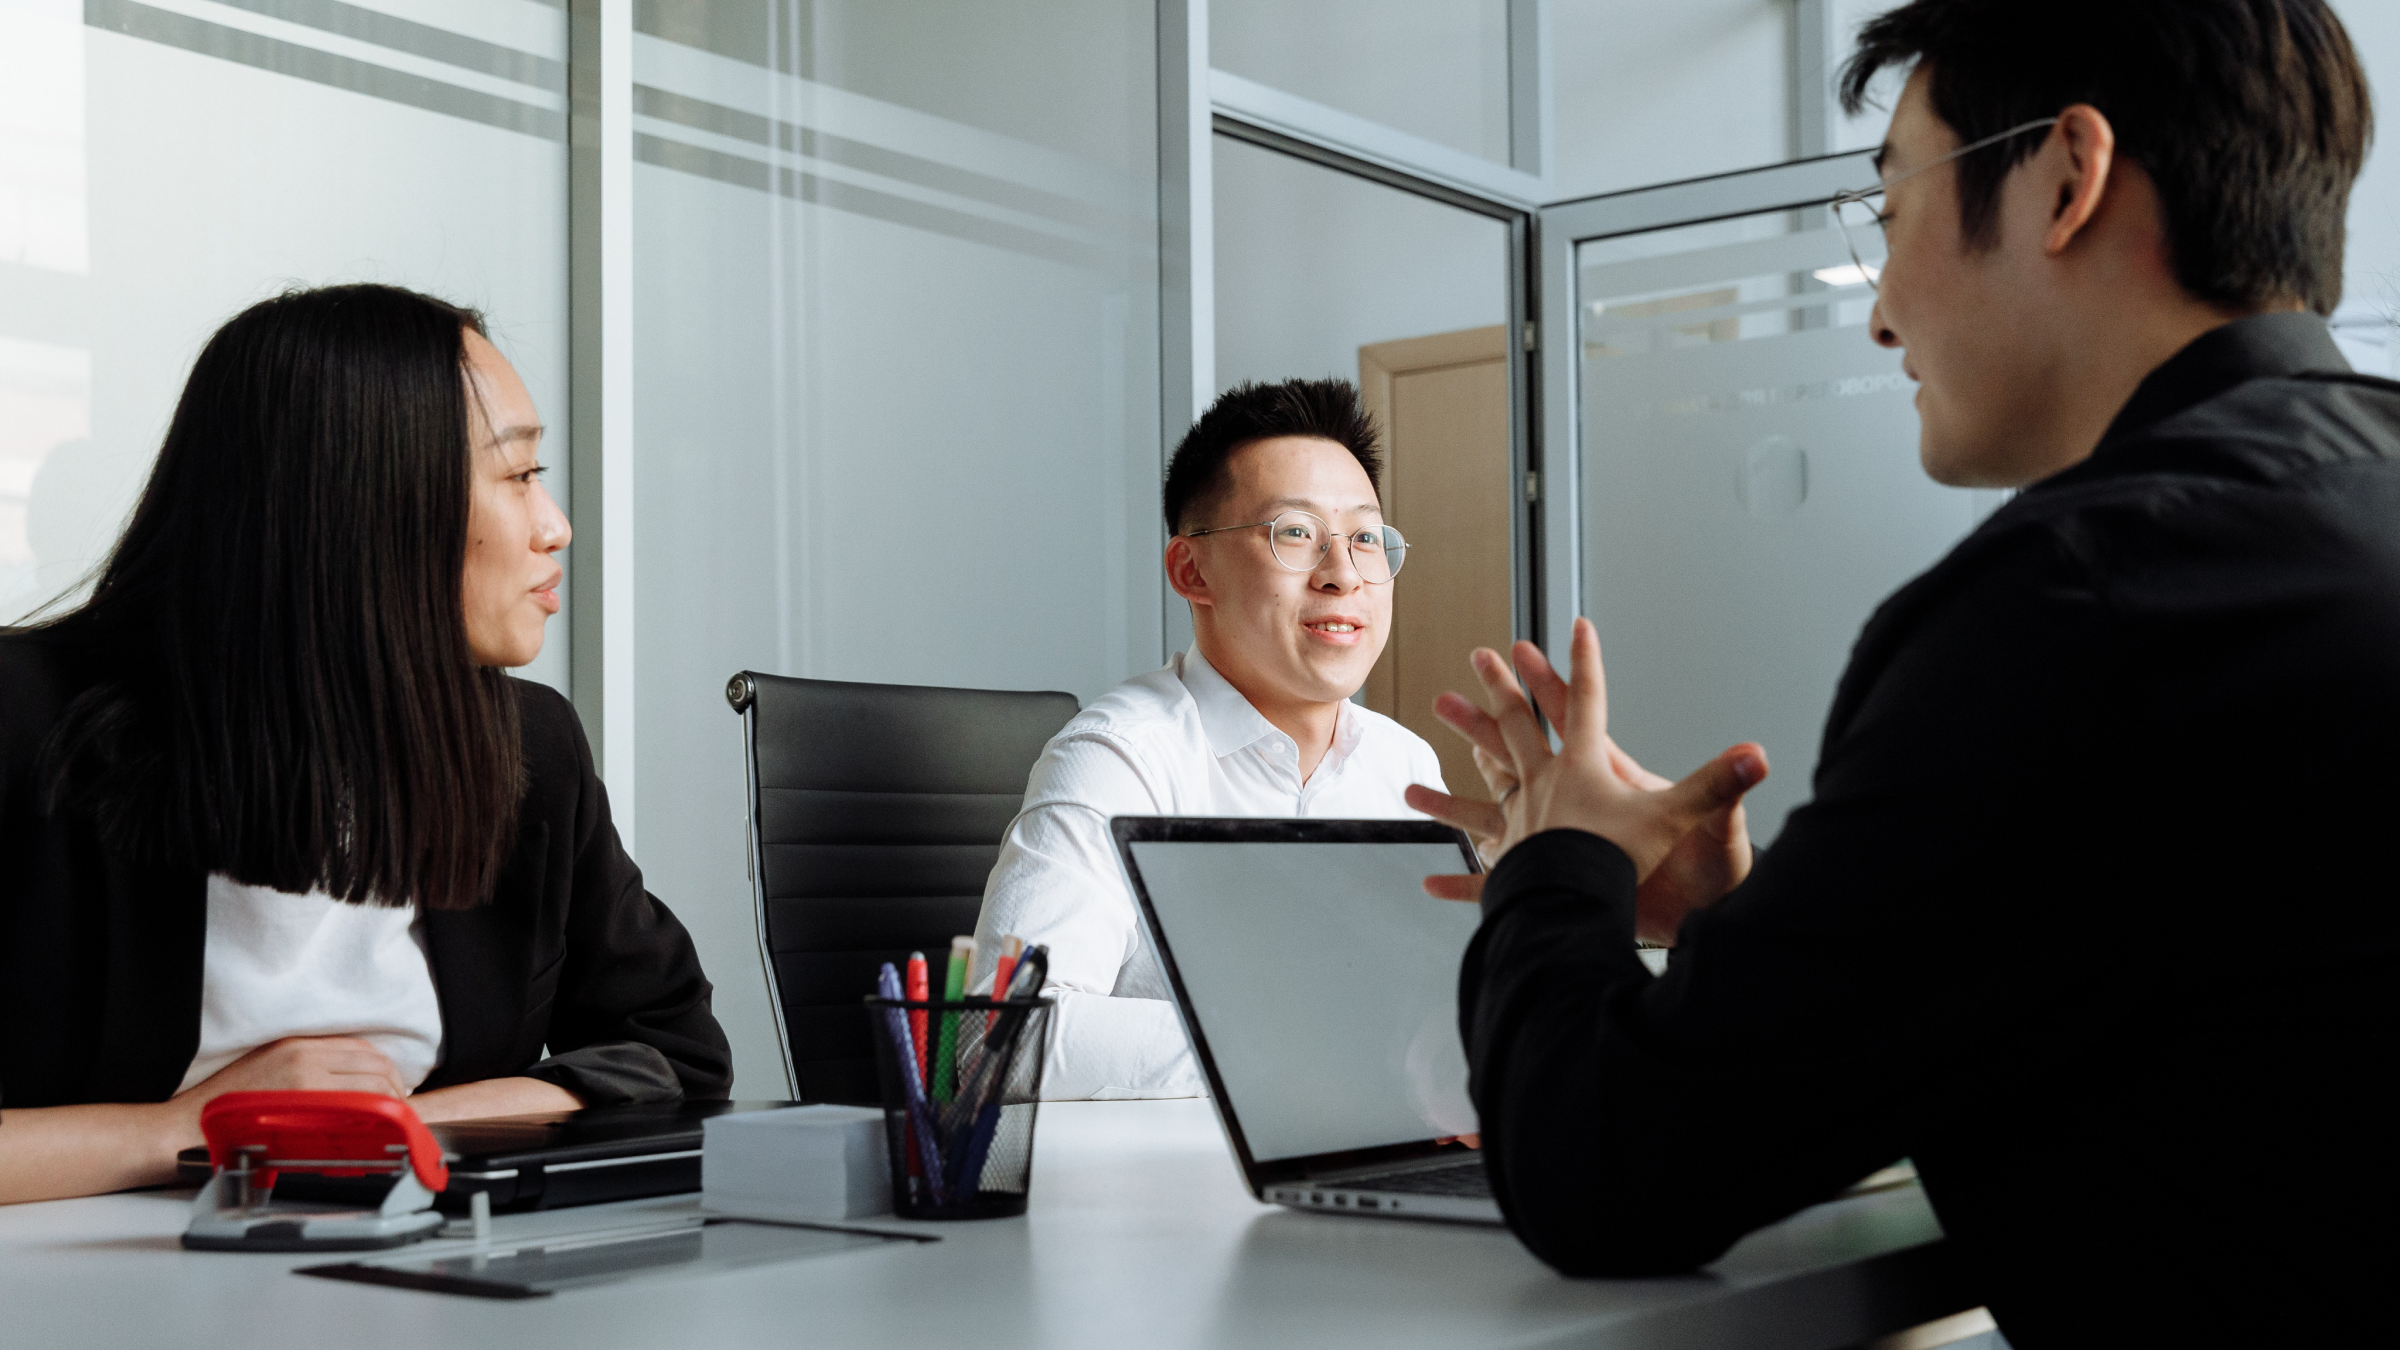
(876, 813)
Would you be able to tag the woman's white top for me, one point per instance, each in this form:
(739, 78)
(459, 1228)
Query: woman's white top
(280, 964)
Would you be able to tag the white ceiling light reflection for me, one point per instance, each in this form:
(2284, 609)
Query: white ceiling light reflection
(1848, 274)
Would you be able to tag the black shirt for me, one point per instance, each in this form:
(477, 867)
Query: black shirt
(571, 972)
(2091, 914)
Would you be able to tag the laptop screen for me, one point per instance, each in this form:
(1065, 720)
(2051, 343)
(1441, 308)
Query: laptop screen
(1324, 981)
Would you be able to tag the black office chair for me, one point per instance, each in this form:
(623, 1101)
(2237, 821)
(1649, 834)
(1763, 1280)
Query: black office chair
(876, 813)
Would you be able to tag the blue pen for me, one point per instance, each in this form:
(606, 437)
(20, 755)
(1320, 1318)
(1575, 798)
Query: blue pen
(885, 983)
(896, 1026)
(969, 1181)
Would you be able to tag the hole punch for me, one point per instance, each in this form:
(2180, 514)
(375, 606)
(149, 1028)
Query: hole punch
(255, 1137)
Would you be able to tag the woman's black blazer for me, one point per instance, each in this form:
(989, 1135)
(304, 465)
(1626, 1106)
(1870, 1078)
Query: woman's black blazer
(572, 972)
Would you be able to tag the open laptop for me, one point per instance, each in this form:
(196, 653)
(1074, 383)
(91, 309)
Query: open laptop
(1318, 983)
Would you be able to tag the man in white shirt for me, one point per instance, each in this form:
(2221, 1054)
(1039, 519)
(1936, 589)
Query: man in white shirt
(1279, 545)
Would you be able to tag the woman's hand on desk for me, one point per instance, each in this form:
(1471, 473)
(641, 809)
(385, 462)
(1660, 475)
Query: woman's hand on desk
(493, 1097)
(48, 1153)
(301, 1064)
(293, 1064)
(347, 1064)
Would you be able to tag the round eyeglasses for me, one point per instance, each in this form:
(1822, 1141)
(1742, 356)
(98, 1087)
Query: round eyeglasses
(1300, 541)
(1856, 211)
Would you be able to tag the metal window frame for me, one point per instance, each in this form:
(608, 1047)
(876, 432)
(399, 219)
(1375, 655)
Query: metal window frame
(1357, 138)
(600, 578)
(1187, 247)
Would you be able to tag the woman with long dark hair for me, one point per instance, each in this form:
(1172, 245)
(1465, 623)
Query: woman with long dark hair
(273, 815)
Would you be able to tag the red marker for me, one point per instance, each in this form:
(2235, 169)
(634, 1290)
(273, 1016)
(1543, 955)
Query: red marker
(1010, 949)
(916, 989)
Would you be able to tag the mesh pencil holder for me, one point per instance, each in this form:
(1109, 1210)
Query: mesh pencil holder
(958, 1113)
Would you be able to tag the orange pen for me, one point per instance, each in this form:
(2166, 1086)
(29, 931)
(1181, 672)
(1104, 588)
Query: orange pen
(1010, 949)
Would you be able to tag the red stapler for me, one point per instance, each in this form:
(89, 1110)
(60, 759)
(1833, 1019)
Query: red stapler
(255, 1136)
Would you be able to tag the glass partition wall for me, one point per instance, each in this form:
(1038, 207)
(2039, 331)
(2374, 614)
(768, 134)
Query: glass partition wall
(163, 165)
(896, 391)
(1750, 488)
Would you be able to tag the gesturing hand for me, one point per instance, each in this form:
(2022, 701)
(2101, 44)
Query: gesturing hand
(1688, 841)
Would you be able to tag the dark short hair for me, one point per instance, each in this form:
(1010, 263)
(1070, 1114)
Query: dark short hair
(1251, 412)
(2251, 117)
(287, 693)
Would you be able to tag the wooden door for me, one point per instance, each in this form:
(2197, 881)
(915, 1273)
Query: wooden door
(1443, 404)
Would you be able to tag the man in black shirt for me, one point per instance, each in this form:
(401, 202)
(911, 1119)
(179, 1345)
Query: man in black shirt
(2092, 913)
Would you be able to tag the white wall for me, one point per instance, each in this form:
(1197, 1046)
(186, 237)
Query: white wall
(1432, 68)
(1647, 92)
(1312, 264)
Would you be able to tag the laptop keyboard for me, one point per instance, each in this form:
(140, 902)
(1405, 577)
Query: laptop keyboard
(1467, 1180)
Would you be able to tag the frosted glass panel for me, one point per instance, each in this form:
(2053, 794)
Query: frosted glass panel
(896, 401)
(162, 166)
(1432, 68)
(1751, 487)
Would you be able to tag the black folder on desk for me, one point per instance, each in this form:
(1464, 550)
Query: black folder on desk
(552, 1161)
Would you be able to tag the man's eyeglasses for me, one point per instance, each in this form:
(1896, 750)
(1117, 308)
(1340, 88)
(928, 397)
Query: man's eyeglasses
(1300, 541)
(1857, 210)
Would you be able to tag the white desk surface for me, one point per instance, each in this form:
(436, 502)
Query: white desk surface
(1141, 1234)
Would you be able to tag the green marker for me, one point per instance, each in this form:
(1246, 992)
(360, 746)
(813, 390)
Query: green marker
(954, 988)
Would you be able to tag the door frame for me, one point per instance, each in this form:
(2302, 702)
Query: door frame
(1558, 229)
(1380, 365)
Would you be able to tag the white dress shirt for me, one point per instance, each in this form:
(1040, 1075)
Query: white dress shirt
(1179, 741)
(278, 964)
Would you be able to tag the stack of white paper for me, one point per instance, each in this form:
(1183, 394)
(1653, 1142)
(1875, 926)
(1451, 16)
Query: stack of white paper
(803, 1162)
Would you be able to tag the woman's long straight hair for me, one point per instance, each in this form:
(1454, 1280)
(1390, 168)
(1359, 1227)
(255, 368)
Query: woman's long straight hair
(287, 691)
